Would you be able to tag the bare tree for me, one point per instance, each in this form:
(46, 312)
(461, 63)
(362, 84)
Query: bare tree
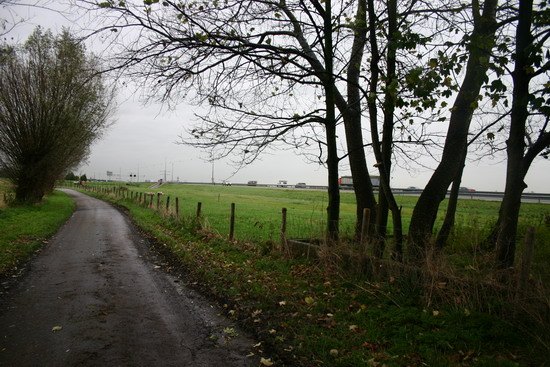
(53, 105)
(270, 70)
(480, 44)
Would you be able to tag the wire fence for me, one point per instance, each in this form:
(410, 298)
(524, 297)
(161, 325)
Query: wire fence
(242, 222)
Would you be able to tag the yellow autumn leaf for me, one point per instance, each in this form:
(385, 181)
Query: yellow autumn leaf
(266, 362)
(57, 328)
(309, 300)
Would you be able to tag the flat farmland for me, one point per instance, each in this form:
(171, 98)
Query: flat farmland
(258, 211)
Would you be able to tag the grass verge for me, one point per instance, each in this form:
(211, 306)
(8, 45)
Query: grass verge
(310, 313)
(24, 229)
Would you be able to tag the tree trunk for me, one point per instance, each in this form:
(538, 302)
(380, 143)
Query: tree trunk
(382, 213)
(383, 150)
(351, 113)
(29, 191)
(333, 209)
(425, 211)
(387, 132)
(515, 145)
(449, 221)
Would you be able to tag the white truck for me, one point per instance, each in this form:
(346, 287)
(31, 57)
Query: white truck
(346, 182)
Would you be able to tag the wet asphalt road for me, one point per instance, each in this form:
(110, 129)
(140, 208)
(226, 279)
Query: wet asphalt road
(95, 282)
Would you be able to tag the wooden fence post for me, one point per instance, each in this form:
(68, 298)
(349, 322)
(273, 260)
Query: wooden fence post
(199, 208)
(167, 204)
(526, 260)
(365, 228)
(177, 208)
(283, 231)
(232, 222)
(158, 200)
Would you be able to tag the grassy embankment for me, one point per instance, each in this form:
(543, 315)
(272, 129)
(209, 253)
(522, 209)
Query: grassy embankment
(313, 313)
(24, 229)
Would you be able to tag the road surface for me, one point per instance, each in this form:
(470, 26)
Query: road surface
(95, 297)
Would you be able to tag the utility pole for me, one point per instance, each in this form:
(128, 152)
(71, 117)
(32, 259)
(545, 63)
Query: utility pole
(165, 170)
(212, 160)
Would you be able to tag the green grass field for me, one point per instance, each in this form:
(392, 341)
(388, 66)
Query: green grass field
(258, 211)
(23, 229)
(258, 218)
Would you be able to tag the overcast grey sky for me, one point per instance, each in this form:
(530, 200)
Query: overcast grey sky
(142, 140)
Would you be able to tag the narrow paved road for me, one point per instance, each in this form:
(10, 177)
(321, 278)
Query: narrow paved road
(92, 298)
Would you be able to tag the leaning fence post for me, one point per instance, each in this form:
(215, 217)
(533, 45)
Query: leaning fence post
(232, 222)
(167, 204)
(177, 208)
(283, 231)
(365, 228)
(199, 207)
(526, 259)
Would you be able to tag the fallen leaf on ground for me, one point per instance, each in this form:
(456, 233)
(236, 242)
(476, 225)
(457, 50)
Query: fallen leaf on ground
(266, 362)
(256, 313)
(57, 328)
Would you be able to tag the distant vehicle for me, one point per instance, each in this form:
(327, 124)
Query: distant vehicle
(300, 185)
(282, 183)
(226, 183)
(412, 188)
(252, 183)
(467, 189)
(347, 181)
